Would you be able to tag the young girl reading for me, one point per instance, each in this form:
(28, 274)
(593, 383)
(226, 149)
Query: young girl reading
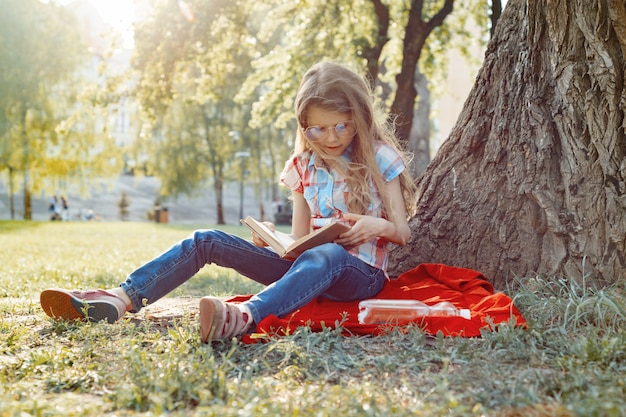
(346, 166)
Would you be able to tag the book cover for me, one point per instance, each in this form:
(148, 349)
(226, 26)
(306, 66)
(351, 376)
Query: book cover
(285, 246)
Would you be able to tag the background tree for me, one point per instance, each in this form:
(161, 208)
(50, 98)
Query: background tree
(187, 89)
(386, 39)
(533, 177)
(38, 51)
(494, 15)
(257, 55)
(420, 24)
(44, 133)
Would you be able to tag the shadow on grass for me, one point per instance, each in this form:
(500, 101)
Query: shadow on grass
(13, 225)
(239, 230)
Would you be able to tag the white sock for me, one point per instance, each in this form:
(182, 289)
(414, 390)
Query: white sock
(120, 293)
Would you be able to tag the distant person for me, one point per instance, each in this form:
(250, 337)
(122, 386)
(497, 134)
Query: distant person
(51, 207)
(54, 209)
(92, 216)
(346, 166)
(65, 209)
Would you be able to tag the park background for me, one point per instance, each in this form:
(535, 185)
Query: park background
(569, 361)
(107, 30)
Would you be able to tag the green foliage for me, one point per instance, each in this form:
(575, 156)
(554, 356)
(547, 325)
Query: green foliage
(236, 68)
(37, 49)
(344, 31)
(187, 89)
(47, 129)
(463, 31)
(569, 361)
(38, 53)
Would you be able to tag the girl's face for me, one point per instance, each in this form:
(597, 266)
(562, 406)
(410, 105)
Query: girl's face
(330, 130)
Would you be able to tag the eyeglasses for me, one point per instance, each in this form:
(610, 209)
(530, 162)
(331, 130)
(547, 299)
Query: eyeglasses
(343, 130)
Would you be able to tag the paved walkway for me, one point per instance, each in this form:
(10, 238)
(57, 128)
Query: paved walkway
(141, 193)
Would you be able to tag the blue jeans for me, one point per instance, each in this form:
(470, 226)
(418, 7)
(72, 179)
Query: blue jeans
(328, 271)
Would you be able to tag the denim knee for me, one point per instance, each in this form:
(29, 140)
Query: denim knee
(204, 240)
(205, 235)
(326, 254)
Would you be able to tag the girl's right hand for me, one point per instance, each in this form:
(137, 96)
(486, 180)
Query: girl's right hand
(257, 240)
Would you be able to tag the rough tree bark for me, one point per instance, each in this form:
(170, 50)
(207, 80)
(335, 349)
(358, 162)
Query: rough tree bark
(532, 177)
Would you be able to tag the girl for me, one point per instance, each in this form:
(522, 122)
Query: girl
(346, 167)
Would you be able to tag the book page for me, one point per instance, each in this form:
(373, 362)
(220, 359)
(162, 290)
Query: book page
(276, 240)
(283, 238)
(286, 246)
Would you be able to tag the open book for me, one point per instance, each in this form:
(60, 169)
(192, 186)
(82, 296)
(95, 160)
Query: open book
(286, 246)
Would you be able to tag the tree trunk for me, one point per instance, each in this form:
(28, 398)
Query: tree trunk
(496, 12)
(419, 138)
(218, 186)
(28, 212)
(416, 32)
(532, 177)
(28, 208)
(11, 193)
(372, 55)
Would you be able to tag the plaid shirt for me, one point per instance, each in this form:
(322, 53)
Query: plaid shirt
(326, 192)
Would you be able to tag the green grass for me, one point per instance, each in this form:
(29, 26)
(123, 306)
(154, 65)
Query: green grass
(570, 361)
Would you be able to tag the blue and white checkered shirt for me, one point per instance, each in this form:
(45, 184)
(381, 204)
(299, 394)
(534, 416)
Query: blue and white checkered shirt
(326, 192)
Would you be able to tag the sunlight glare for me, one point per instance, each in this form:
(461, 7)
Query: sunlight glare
(118, 13)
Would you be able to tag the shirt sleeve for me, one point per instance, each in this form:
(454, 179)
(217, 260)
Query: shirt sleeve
(389, 161)
(292, 174)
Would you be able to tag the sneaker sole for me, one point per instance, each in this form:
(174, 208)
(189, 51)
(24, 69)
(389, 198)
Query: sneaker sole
(59, 304)
(211, 319)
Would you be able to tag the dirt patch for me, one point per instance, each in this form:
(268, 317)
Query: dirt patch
(28, 312)
(167, 309)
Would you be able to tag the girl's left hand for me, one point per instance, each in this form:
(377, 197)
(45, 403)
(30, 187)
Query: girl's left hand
(365, 228)
(256, 239)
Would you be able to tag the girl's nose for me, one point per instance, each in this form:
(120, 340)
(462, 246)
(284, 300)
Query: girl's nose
(332, 136)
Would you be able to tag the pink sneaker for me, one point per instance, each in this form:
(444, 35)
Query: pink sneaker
(221, 320)
(92, 305)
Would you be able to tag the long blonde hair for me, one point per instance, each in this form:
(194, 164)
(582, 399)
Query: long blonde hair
(337, 88)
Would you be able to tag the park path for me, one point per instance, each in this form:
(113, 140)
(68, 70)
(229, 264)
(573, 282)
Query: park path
(142, 193)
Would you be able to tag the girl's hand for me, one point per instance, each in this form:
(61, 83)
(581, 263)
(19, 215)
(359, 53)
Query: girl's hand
(257, 240)
(365, 228)
(395, 229)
